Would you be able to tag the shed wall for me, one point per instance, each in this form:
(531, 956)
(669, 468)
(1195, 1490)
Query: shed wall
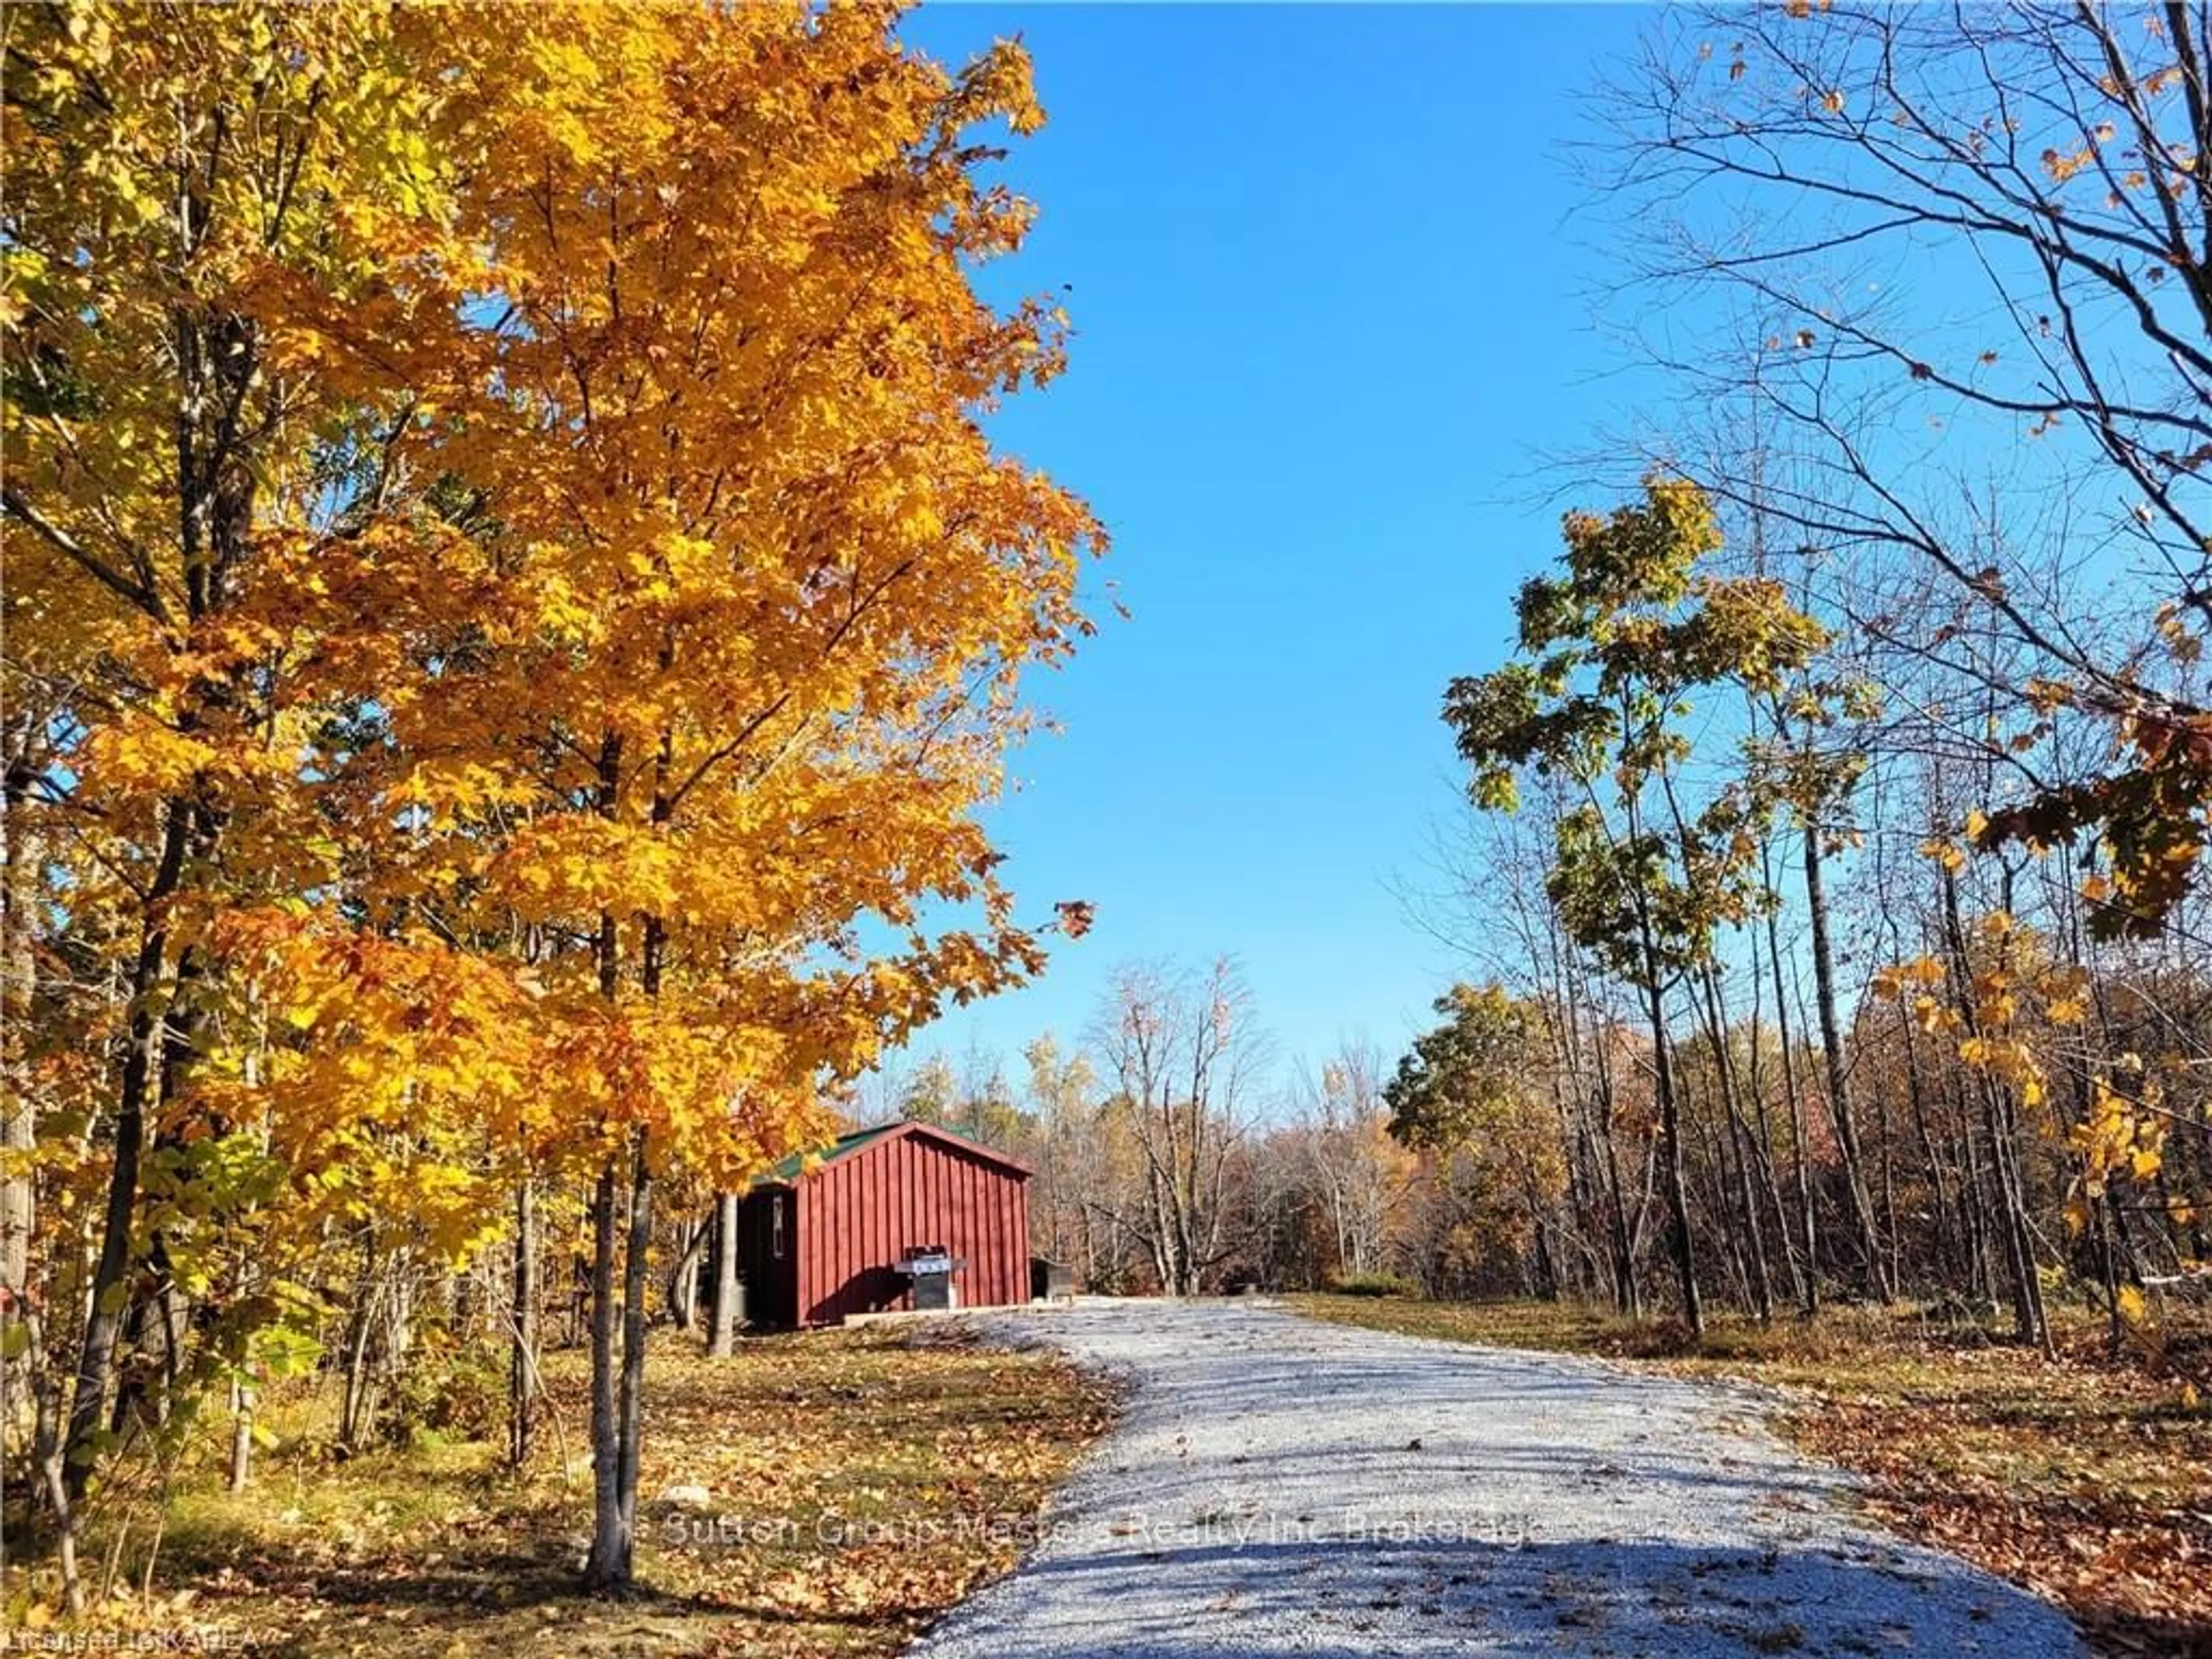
(860, 1214)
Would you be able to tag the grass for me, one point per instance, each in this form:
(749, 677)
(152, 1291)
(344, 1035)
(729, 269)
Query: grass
(2085, 1478)
(858, 1484)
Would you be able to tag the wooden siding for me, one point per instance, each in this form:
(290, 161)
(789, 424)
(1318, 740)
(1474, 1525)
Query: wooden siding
(860, 1214)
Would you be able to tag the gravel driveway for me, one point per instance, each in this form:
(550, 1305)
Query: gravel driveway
(1284, 1486)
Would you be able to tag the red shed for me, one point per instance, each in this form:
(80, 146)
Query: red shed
(816, 1245)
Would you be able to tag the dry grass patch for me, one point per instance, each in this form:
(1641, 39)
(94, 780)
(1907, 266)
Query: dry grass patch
(857, 1485)
(2085, 1478)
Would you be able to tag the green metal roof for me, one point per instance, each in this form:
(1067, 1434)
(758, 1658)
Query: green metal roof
(790, 1169)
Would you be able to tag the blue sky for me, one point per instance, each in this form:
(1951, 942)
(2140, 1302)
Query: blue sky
(1332, 308)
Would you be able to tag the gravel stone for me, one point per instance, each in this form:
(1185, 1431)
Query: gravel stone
(1280, 1485)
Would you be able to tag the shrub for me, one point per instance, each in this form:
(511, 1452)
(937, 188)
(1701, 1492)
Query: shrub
(459, 1396)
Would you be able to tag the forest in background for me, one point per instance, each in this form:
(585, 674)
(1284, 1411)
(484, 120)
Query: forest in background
(1830, 880)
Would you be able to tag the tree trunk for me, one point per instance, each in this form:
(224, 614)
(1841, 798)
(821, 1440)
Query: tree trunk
(1664, 1086)
(1762, 1282)
(681, 1289)
(722, 1326)
(618, 1393)
(522, 1355)
(1627, 1294)
(1807, 1217)
(20, 855)
(1839, 1087)
(19, 858)
(1763, 1145)
(634, 1339)
(47, 1456)
(1670, 1138)
(1976, 1204)
(608, 1566)
(357, 1406)
(104, 1320)
(241, 1435)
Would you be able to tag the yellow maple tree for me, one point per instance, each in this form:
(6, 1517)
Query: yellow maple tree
(545, 700)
